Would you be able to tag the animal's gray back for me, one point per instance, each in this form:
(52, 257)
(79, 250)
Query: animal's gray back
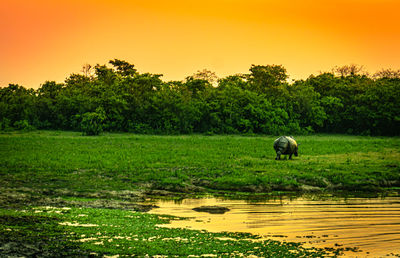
(281, 143)
(285, 144)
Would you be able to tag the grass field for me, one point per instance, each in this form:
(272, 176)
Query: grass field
(114, 162)
(101, 181)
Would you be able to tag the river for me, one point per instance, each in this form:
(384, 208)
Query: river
(370, 224)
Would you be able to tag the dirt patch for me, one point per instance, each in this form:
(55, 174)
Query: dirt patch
(310, 188)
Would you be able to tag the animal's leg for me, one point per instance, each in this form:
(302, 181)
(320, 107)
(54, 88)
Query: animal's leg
(278, 155)
(290, 156)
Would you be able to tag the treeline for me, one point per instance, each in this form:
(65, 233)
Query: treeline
(118, 98)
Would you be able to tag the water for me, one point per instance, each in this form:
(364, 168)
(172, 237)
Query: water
(372, 225)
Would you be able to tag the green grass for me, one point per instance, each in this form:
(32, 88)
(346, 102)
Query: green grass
(67, 160)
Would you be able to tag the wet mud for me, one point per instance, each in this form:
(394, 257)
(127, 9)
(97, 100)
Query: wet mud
(20, 197)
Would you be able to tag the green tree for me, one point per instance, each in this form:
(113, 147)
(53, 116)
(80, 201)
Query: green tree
(92, 122)
(306, 106)
(206, 75)
(46, 103)
(264, 78)
(123, 68)
(17, 105)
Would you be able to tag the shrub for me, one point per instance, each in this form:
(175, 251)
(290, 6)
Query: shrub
(5, 124)
(92, 122)
(23, 125)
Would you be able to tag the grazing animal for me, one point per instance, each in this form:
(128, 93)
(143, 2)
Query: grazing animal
(285, 145)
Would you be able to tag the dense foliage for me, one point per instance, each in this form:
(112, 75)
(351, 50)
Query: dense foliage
(261, 102)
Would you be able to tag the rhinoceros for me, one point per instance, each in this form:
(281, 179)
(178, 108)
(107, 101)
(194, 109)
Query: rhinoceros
(285, 145)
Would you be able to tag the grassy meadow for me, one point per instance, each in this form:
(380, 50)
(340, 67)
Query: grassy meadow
(55, 160)
(64, 194)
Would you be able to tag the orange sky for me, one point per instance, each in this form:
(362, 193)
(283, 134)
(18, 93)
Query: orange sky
(48, 40)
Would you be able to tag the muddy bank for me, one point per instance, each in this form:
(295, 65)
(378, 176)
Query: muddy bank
(21, 197)
(316, 184)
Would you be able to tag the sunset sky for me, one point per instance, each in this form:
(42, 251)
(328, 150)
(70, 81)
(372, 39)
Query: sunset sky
(50, 39)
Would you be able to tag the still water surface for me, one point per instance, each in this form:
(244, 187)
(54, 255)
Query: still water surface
(372, 225)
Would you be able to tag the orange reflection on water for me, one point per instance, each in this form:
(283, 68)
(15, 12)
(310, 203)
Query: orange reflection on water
(372, 225)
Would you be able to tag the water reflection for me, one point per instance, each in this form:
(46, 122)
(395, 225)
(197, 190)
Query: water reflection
(371, 224)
